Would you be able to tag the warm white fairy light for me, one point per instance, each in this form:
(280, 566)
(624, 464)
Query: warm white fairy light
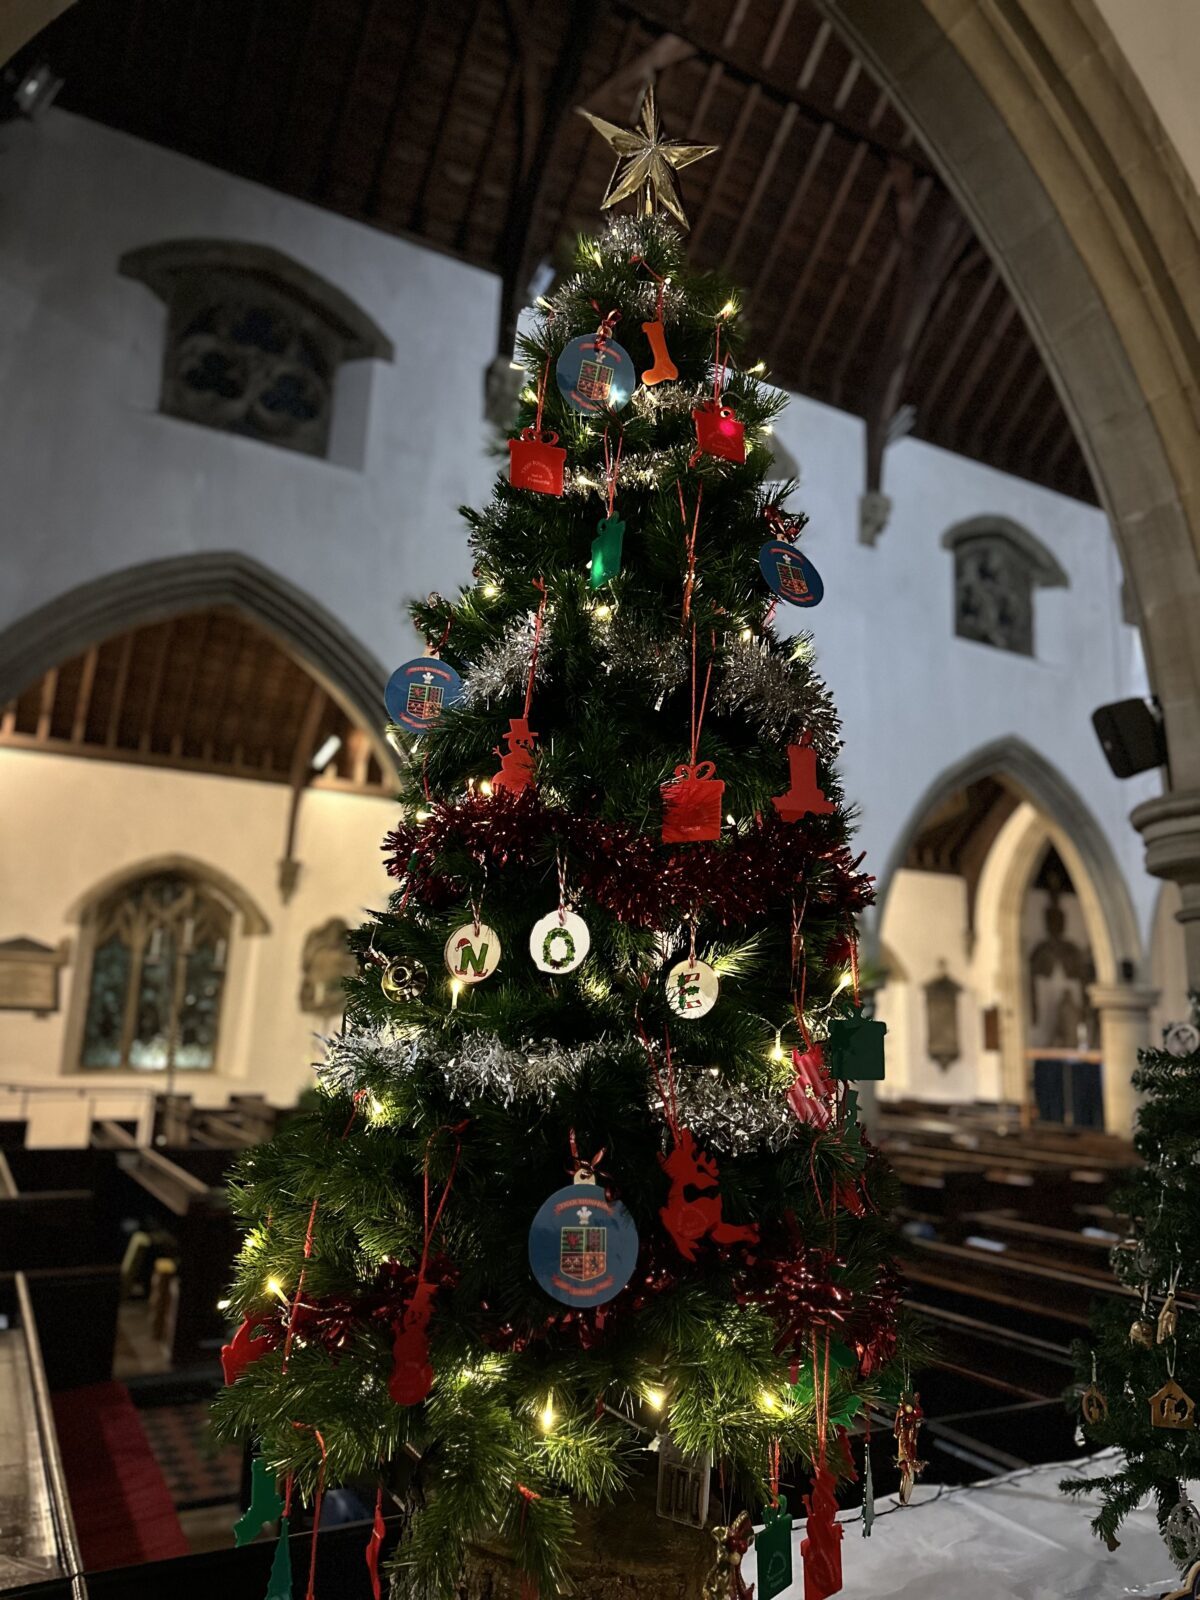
(456, 988)
(844, 982)
(777, 1052)
(485, 786)
(490, 591)
(656, 1398)
(547, 1418)
(276, 1288)
(767, 1400)
(423, 814)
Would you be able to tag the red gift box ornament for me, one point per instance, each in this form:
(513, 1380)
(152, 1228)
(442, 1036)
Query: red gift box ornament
(536, 461)
(811, 1095)
(804, 796)
(692, 804)
(719, 433)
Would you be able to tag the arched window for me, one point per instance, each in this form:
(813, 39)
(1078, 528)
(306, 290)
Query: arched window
(997, 566)
(159, 955)
(254, 340)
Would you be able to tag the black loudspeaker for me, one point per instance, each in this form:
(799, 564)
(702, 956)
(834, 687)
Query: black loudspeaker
(1131, 735)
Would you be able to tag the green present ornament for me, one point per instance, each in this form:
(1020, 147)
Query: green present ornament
(265, 1504)
(279, 1585)
(854, 1048)
(774, 1547)
(606, 551)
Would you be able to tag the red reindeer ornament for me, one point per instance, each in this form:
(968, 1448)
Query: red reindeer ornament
(694, 1208)
(412, 1373)
(243, 1350)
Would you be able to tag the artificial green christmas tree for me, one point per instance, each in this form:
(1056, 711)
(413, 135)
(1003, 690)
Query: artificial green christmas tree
(582, 1216)
(1140, 1376)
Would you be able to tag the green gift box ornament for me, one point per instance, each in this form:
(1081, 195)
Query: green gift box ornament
(606, 551)
(854, 1048)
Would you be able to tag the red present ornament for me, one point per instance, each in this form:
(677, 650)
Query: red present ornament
(719, 433)
(536, 461)
(692, 804)
(804, 797)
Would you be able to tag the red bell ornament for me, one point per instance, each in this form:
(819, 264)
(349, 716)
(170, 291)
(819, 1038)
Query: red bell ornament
(536, 461)
(719, 433)
(692, 804)
(804, 796)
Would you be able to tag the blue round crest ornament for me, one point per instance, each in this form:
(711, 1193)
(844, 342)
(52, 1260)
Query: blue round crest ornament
(790, 576)
(418, 692)
(595, 374)
(583, 1247)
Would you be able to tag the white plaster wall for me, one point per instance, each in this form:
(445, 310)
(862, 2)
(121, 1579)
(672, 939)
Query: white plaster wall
(70, 824)
(95, 481)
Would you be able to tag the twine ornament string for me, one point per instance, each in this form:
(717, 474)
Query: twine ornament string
(640, 261)
(562, 888)
(689, 581)
(664, 1085)
(612, 467)
(359, 1094)
(318, 1499)
(540, 585)
(698, 719)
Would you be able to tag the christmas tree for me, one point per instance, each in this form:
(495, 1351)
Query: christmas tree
(585, 1213)
(1141, 1373)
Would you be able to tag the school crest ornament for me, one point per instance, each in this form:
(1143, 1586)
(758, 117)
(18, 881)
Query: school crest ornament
(418, 692)
(583, 1247)
(790, 576)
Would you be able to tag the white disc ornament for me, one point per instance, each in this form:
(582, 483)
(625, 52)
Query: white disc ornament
(1182, 1039)
(692, 989)
(559, 942)
(472, 952)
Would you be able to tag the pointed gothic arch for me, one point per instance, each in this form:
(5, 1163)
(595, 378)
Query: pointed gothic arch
(157, 590)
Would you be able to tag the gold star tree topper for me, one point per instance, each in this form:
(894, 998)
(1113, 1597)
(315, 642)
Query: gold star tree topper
(650, 161)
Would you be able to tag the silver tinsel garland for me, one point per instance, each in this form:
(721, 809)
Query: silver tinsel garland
(779, 693)
(504, 666)
(726, 1121)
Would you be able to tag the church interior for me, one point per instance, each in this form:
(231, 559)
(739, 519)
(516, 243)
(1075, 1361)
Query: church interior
(264, 274)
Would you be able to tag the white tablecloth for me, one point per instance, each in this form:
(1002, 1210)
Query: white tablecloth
(1010, 1538)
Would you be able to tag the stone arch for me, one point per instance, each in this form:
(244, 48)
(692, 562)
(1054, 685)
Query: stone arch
(157, 590)
(253, 919)
(1053, 150)
(1071, 824)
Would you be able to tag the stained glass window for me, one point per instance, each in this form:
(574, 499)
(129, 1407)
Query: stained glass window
(158, 972)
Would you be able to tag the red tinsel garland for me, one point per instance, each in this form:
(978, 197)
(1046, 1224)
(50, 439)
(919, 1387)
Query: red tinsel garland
(742, 878)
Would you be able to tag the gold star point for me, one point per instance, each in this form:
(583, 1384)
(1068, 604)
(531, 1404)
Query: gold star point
(650, 161)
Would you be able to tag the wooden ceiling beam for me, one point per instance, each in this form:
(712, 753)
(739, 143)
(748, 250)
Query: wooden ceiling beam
(198, 653)
(922, 270)
(1038, 380)
(766, 169)
(800, 288)
(158, 672)
(366, 21)
(967, 383)
(1001, 386)
(449, 108)
(728, 156)
(398, 110)
(46, 705)
(743, 67)
(795, 203)
(956, 345)
(117, 703)
(83, 699)
(668, 50)
(518, 248)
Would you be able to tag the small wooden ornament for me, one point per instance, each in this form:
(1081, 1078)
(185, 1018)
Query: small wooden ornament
(1168, 1319)
(1142, 1334)
(692, 989)
(472, 952)
(1093, 1405)
(1190, 1589)
(1170, 1407)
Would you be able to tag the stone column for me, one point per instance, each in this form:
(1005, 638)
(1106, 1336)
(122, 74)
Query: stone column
(1124, 1028)
(1170, 825)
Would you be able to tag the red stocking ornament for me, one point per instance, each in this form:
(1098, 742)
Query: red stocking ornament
(694, 1208)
